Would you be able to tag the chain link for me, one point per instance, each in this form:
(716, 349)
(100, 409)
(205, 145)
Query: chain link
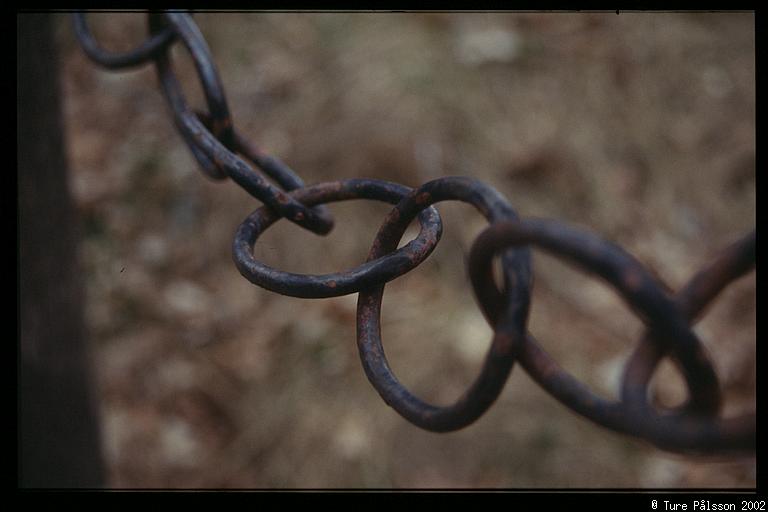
(695, 427)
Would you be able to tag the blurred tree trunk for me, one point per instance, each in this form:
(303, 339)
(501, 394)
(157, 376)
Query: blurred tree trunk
(58, 437)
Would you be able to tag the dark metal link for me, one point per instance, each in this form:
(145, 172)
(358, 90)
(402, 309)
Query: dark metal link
(204, 142)
(175, 98)
(609, 262)
(500, 357)
(691, 428)
(218, 110)
(272, 166)
(732, 264)
(380, 270)
(222, 152)
(145, 52)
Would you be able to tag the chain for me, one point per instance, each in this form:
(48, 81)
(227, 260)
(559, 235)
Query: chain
(695, 427)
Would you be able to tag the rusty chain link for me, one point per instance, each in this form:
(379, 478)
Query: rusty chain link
(695, 427)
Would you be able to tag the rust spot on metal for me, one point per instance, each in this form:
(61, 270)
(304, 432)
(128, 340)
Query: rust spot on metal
(502, 344)
(423, 198)
(633, 280)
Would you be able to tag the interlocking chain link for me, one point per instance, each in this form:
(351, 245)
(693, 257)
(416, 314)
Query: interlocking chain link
(695, 427)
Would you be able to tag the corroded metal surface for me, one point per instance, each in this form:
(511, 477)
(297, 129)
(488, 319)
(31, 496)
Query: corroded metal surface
(373, 272)
(694, 427)
(222, 152)
(500, 356)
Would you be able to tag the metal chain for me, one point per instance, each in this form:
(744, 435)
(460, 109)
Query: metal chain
(695, 427)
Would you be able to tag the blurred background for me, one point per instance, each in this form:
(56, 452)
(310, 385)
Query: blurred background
(639, 127)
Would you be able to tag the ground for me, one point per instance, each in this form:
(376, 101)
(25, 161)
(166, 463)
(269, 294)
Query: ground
(639, 127)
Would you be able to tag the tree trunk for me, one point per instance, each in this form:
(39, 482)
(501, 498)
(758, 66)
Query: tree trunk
(58, 439)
